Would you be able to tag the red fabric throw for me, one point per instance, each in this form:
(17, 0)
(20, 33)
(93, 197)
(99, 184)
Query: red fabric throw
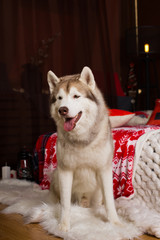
(125, 139)
(50, 161)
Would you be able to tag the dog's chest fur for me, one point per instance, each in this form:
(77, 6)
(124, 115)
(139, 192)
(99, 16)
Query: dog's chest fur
(93, 155)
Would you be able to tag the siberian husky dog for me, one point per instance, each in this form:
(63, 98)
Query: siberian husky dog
(84, 146)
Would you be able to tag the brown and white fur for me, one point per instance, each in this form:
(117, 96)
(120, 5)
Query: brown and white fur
(84, 146)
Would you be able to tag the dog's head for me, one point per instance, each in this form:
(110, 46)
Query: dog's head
(74, 100)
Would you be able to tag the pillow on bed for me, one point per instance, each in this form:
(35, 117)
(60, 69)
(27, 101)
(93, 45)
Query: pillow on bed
(119, 117)
(155, 117)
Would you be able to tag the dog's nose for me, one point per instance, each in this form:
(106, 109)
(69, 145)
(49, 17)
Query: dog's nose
(63, 111)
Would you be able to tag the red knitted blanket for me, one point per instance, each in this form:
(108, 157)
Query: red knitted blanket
(125, 139)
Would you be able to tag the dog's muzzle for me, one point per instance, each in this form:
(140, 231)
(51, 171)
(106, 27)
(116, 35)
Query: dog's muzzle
(70, 122)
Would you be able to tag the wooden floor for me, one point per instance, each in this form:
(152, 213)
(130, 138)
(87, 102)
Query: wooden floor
(13, 228)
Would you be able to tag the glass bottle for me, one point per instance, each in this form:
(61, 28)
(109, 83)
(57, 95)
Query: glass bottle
(25, 166)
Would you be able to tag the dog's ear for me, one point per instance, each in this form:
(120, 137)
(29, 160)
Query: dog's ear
(52, 80)
(87, 77)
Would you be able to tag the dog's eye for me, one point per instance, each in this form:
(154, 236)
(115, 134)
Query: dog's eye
(59, 98)
(76, 96)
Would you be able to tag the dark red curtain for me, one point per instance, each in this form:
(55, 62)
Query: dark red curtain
(64, 35)
(61, 35)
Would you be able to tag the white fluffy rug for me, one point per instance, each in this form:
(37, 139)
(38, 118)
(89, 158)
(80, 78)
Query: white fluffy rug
(33, 203)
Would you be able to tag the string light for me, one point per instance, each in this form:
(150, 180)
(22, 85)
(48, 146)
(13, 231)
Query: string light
(146, 48)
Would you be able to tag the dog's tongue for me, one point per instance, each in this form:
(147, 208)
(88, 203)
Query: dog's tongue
(69, 124)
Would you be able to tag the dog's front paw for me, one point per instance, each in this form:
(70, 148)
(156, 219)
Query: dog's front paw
(64, 226)
(118, 223)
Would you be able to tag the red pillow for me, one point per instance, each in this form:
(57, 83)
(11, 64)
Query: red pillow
(119, 117)
(155, 117)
